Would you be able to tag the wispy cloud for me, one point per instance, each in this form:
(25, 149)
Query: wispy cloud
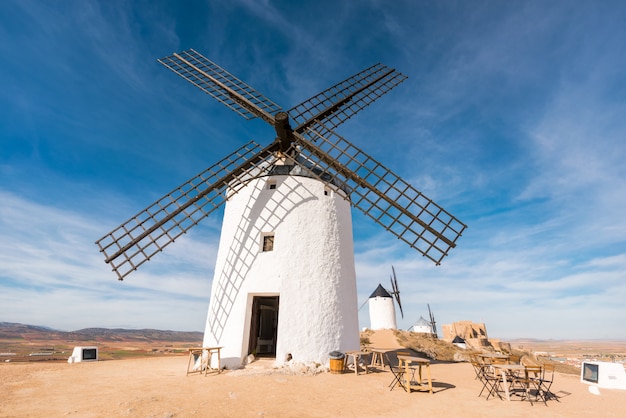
(48, 260)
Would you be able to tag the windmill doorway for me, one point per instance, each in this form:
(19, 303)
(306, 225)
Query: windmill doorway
(263, 326)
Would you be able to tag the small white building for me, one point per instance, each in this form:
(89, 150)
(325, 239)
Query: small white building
(80, 354)
(603, 374)
(285, 282)
(422, 326)
(459, 342)
(382, 310)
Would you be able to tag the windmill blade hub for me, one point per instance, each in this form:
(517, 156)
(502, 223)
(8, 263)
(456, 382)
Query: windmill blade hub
(283, 131)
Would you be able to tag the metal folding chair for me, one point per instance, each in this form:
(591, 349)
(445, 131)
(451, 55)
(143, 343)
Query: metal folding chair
(528, 383)
(492, 381)
(478, 367)
(398, 373)
(545, 383)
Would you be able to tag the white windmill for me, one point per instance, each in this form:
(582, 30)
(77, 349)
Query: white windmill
(284, 282)
(381, 305)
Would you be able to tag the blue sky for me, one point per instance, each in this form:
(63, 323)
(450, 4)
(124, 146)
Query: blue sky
(512, 118)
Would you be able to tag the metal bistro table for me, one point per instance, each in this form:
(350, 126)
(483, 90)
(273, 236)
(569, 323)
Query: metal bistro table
(198, 362)
(409, 374)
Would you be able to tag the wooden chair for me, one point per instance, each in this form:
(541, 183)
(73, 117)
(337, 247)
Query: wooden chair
(481, 371)
(545, 383)
(527, 383)
(492, 382)
(478, 368)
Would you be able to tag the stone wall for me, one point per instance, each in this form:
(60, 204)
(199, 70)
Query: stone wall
(474, 334)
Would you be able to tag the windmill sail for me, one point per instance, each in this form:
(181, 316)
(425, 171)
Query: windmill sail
(221, 85)
(396, 290)
(312, 144)
(433, 324)
(385, 197)
(147, 233)
(340, 102)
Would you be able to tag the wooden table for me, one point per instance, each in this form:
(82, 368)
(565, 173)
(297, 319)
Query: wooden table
(356, 356)
(378, 359)
(200, 360)
(505, 370)
(409, 384)
(490, 356)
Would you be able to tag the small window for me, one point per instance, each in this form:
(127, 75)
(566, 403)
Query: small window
(268, 243)
(271, 185)
(326, 191)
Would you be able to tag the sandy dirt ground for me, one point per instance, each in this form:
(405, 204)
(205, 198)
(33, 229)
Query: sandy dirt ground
(159, 387)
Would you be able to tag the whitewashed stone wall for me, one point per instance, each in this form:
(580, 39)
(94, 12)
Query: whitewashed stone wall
(382, 313)
(311, 268)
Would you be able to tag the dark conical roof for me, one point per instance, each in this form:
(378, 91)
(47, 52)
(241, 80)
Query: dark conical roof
(380, 292)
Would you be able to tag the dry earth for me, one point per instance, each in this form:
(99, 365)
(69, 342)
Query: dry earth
(158, 387)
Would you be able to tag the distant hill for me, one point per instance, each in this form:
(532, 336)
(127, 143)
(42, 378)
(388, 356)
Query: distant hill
(15, 331)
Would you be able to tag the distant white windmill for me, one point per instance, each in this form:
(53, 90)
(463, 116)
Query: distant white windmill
(425, 327)
(381, 306)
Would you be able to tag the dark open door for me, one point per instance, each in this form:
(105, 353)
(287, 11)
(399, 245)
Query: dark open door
(263, 326)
